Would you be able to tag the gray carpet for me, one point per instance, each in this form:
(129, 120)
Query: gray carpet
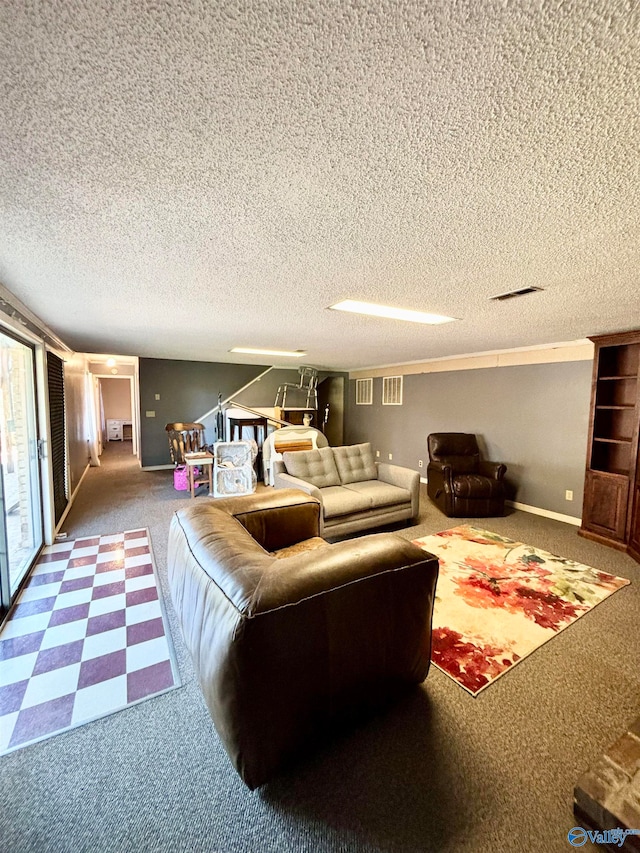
(441, 771)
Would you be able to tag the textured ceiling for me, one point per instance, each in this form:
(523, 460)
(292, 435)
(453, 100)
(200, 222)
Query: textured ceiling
(178, 178)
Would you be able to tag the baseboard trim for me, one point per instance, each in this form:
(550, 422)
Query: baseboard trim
(547, 513)
(70, 502)
(536, 510)
(157, 467)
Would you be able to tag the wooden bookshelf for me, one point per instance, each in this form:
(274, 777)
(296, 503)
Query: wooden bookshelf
(611, 510)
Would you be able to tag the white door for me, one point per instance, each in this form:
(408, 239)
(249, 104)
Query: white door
(20, 488)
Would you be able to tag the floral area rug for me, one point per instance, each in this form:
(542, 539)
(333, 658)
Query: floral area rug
(498, 600)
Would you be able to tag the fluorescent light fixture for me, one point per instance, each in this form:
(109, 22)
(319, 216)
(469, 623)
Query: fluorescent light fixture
(390, 313)
(278, 352)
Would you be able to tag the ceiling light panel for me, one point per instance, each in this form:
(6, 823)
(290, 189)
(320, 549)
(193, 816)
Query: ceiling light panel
(276, 352)
(390, 313)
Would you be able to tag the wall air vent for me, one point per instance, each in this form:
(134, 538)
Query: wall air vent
(392, 390)
(513, 293)
(364, 392)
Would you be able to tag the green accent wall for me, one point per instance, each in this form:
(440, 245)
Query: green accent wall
(187, 389)
(190, 389)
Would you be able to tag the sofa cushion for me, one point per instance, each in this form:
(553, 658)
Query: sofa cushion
(381, 494)
(301, 548)
(313, 466)
(355, 463)
(337, 500)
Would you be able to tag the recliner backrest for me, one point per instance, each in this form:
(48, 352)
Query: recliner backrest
(458, 449)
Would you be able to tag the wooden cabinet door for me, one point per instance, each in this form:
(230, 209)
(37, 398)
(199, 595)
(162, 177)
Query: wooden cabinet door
(606, 504)
(634, 534)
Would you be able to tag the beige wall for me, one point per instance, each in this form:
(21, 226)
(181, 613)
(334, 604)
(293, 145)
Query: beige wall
(116, 399)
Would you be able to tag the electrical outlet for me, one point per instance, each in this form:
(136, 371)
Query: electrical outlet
(568, 495)
(150, 414)
(157, 396)
(377, 454)
(390, 457)
(419, 463)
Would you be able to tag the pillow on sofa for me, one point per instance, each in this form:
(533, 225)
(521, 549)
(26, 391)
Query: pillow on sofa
(355, 463)
(313, 466)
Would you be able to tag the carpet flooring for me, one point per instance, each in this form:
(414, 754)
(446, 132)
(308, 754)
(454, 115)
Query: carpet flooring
(441, 771)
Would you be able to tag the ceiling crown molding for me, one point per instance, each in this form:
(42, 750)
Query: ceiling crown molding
(17, 311)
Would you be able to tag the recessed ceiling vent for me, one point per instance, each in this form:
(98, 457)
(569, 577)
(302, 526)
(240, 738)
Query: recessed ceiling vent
(513, 293)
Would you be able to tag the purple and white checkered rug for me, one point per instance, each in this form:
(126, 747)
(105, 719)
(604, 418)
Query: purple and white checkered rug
(86, 638)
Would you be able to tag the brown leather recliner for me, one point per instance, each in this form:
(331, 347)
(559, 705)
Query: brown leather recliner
(459, 482)
(290, 635)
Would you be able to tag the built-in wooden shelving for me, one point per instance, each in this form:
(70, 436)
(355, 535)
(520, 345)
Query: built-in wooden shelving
(611, 510)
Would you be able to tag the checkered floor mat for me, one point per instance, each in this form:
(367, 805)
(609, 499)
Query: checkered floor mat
(86, 638)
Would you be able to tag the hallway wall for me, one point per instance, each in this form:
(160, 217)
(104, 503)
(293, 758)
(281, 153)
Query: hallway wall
(116, 398)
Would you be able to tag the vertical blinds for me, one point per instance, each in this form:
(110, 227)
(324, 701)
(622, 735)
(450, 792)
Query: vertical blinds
(55, 378)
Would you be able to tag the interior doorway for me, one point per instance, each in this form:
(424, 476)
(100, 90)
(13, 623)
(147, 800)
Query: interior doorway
(331, 409)
(116, 415)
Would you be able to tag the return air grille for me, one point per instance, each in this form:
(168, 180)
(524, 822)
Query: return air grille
(392, 391)
(513, 293)
(364, 392)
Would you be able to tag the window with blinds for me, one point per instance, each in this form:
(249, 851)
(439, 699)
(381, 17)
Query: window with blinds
(364, 392)
(58, 450)
(392, 390)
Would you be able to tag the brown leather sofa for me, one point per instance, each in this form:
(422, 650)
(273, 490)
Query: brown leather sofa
(459, 482)
(291, 636)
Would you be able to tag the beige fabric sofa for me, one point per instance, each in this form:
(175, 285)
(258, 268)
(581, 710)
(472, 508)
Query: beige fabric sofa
(356, 493)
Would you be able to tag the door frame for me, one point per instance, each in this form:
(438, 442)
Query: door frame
(135, 421)
(45, 505)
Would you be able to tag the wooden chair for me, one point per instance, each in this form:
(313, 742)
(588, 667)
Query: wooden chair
(184, 438)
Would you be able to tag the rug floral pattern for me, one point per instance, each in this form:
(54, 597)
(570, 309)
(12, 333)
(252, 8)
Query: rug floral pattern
(498, 600)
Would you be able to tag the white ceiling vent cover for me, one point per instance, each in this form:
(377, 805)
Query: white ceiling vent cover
(392, 391)
(364, 392)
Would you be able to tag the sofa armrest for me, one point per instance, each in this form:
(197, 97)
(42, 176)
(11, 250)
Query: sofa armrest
(324, 571)
(287, 481)
(439, 476)
(282, 480)
(495, 470)
(276, 519)
(404, 478)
